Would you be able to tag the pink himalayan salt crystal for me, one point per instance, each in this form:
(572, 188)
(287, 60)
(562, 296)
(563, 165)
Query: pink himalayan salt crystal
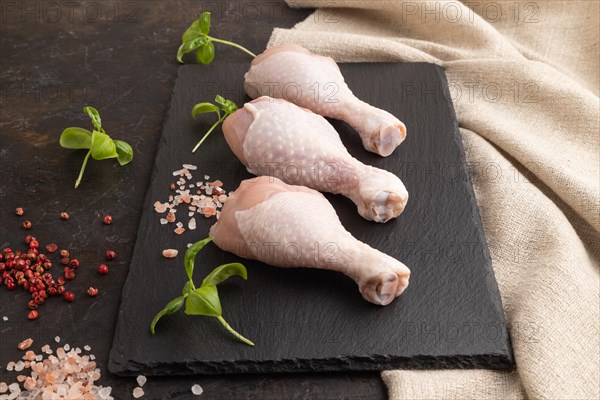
(29, 356)
(60, 353)
(138, 392)
(179, 230)
(30, 384)
(25, 344)
(170, 253)
(21, 378)
(160, 207)
(3, 387)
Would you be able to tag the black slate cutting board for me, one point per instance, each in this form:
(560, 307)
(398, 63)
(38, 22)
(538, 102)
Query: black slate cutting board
(310, 320)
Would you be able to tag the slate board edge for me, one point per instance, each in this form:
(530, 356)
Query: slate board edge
(347, 364)
(476, 216)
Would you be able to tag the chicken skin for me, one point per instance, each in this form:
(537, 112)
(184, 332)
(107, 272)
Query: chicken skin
(293, 226)
(293, 73)
(277, 138)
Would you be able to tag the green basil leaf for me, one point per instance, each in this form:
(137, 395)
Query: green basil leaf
(223, 272)
(220, 99)
(94, 115)
(190, 46)
(190, 255)
(171, 308)
(188, 288)
(204, 22)
(76, 138)
(229, 107)
(204, 301)
(102, 146)
(124, 152)
(191, 32)
(202, 108)
(206, 53)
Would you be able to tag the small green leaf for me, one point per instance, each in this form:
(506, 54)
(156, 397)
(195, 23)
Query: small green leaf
(204, 301)
(190, 46)
(102, 146)
(227, 106)
(223, 272)
(190, 255)
(220, 99)
(171, 308)
(124, 152)
(76, 138)
(204, 22)
(188, 288)
(191, 32)
(95, 117)
(202, 108)
(206, 53)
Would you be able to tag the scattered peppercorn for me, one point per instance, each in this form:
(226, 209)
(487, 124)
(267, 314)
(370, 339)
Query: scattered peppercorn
(69, 274)
(51, 248)
(64, 215)
(69, 296)
(103, 269)
(74, 263)
(107, 220)
(27, 224)
(64, 253)
(33, 314)
(19, 211)
(65, 261)
(92, 291)
(110, 255)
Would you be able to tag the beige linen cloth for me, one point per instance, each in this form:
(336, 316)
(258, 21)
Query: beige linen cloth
(524, 83)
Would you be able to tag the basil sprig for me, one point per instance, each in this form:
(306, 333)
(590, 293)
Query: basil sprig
(205, 299)
(196, 38)
(99, 145)
(228, 107)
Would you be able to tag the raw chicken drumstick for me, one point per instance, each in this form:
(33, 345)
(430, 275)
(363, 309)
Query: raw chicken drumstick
(294, 226)
(277, 138)
(315, 82)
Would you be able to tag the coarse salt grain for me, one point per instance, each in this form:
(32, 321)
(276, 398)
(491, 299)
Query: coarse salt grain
(138, 392)
(191, 167)
(179, 230)
(141, 380)
(192, 224)
(87, 348)
(197, 390)
(25, 344)
(170, 253)
(57, 339)
(5, 318)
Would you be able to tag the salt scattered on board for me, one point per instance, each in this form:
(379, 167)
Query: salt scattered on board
(206, 201)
